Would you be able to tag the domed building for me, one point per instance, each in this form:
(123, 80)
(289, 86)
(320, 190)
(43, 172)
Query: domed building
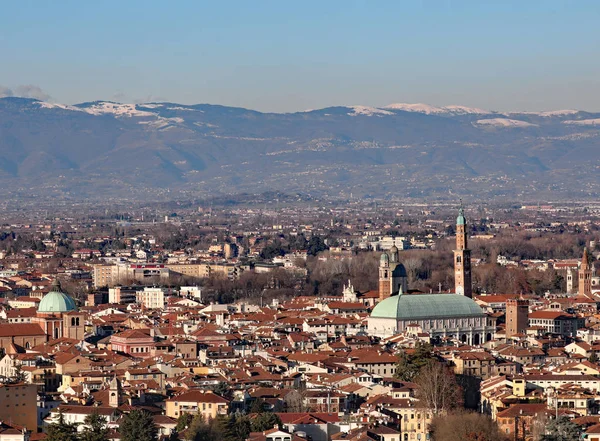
(439, 315)
(58, 316)
(56, 302)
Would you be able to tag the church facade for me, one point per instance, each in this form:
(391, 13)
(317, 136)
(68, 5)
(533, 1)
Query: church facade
(441, 315)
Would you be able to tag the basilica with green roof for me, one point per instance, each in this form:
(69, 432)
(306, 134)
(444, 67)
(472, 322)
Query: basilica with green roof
(441, 315)
(58, 316)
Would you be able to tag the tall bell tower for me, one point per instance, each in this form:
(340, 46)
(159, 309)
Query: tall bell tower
(384, 277)
(585, 275)
(462, 258)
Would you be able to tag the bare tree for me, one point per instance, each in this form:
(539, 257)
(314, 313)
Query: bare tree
(412, 265)
(538, 426)
(463, 426)
(438, 388)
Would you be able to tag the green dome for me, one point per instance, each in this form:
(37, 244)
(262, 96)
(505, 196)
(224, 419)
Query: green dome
(426, 306)
(56, 301)
(460, 220)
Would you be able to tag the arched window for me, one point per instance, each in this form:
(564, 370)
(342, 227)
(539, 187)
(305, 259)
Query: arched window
(457, 259)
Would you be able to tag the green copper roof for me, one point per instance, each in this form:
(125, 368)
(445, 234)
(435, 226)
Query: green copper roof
(57, 301)
(460, 220)
(426, 306)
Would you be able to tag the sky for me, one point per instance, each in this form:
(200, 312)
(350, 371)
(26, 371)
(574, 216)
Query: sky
(283, 56)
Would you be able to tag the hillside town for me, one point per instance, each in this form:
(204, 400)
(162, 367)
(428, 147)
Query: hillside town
(362, 325)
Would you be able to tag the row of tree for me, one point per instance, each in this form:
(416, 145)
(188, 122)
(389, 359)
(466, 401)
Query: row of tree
(233, 427)
(135, 426)
(139, 425)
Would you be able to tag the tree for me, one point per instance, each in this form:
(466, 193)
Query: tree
(138, 425)
(241, 427)
(258, 406)
(465, 426)
(315, 246)
(95, 428)
(18, 375)
(438, 389)
(223, 427)
(61, 430)
(199, 430)
(265, 421)
(409, 365)
(222, 389)
(183, 421)
(593, 358)
(562, 429)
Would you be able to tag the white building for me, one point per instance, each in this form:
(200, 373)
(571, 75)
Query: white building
(151, 298)
(194, 292)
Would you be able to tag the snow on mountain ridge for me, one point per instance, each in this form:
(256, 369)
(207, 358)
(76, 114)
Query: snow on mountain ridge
(434, 110)
(368, 111)
(504, 122)
(547, 113)
(46, 105)
(584, 122)
(117, 109)
(144, 109)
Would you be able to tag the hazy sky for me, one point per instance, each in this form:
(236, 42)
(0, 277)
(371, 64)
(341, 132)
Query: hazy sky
(294, 55)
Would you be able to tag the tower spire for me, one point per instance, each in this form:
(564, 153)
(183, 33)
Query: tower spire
(462, 257)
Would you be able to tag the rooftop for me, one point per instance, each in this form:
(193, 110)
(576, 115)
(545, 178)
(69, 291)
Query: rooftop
(427, 306)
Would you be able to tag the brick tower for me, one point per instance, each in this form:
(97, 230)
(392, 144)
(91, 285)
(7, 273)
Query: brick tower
(462, 258)
(585, 275)
(517, 316)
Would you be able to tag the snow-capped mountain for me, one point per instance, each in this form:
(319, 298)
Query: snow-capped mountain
(584, 122)
(116, 109)
(105, 148)
(504, 122)
(368, 111)
(433, 110)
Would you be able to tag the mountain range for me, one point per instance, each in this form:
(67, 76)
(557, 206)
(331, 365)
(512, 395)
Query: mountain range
(155, 151)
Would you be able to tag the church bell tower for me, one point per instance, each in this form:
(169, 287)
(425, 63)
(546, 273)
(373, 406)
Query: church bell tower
(384, 277)
(585, 275)
(462, 258)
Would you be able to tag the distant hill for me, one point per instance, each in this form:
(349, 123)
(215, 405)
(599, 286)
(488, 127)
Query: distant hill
(159, 150)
